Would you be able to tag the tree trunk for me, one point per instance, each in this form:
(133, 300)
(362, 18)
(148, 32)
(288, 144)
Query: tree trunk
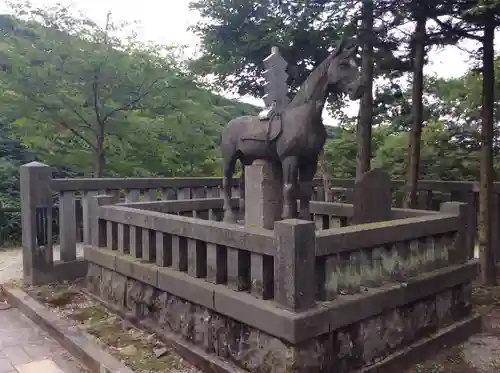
(364, 125)
(100, 160)
(413, 170)
(325, 177)
(486, 253)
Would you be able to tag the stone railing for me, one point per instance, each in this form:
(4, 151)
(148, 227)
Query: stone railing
(366, 256)
(338, 215)
(308, 296)
(179, 244)
(54, 209)
(184, 236)
(68, 220)
(170, 264)
(130, 190)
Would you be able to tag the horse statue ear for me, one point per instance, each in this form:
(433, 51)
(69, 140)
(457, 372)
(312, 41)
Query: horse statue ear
(345, 49)
(351, 51)
(341, 46)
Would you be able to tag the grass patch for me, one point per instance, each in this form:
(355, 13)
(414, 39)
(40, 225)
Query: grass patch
(133, 346)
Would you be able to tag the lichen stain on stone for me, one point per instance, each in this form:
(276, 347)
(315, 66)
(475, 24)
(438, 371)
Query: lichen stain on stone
(394, 329)
(443, 305)
(373, 266)
(345, 344)
(430, 254)
(423, 315)
(350, 273)
(389, 262)
(377, 264)
(368, 271)
(370, 337)
(332, 276)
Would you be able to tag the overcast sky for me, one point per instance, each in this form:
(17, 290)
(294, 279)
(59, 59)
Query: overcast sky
(166, 21)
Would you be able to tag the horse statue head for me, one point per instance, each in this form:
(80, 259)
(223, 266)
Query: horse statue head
(339, 72)
(343, 72)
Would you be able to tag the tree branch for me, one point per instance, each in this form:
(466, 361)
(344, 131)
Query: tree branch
(77, 113)
(459, 32)
(78, 134)
(95, 91)
(62, 123)
(131, 105)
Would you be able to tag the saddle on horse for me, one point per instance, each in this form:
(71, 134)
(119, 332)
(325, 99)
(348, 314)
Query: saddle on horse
(263, 132)
(266, 113)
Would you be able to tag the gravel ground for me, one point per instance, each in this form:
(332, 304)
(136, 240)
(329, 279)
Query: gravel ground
(11, 262)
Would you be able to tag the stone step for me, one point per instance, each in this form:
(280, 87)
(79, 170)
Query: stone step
(39, 366)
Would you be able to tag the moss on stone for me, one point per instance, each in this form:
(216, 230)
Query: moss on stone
(133, 346)
(89, 313)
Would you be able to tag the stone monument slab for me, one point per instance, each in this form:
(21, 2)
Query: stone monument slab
(372, 197)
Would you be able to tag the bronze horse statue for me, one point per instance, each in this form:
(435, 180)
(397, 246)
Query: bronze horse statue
(292, 139)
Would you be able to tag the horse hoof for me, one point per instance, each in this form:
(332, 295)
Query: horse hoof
(286, 214)
(304, 215)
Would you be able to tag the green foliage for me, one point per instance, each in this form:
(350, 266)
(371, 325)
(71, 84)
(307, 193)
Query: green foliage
(72, 91)
(76, 90)
(78, 97)
(443, 156)
(237, 35)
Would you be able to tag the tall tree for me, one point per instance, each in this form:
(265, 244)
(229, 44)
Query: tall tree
(418, 46)
(77, 78)
(365, 120)
(237, 35)
(487, 256)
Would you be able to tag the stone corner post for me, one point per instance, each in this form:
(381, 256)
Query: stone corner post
(294, 264)
(463, 250)
(36, 222)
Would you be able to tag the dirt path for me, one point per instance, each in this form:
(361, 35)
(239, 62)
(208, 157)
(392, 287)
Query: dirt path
(11, 265)
(24, 347)
(11, 262)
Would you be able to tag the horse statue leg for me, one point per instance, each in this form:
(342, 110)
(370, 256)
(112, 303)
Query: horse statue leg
(290, 167)
(307, 170)
(227, 185)
(242, 189)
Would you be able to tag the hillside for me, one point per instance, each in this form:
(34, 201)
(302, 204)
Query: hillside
(86, 102)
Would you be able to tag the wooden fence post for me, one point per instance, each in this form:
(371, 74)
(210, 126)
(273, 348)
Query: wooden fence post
(36, 221)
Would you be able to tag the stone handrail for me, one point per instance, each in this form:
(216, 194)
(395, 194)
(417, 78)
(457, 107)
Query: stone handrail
(238, 257)
(368, 255)
(255, 240)
(81, 184)
(70, 220)
(337, 240)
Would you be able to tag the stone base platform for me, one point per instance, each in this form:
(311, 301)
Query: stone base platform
(378, 331)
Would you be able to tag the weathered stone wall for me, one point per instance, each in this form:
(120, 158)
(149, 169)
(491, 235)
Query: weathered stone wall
(342, 350)
(353, 271)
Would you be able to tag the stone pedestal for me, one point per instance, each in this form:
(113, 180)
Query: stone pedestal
(263, 195)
